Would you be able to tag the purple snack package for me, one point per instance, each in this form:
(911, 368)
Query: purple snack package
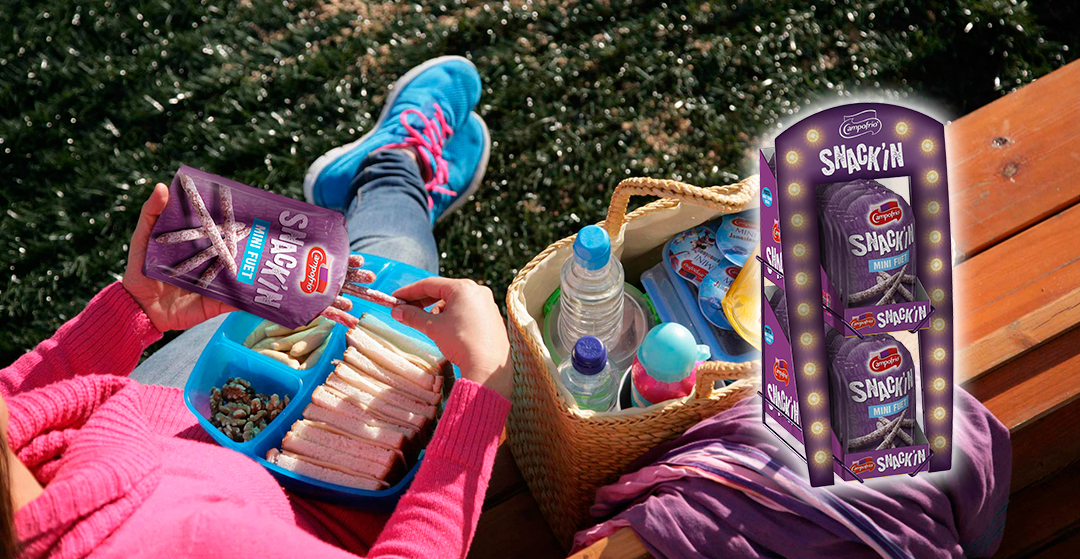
(879, 234)
(291, 257)
(778, 302)
(876, 385)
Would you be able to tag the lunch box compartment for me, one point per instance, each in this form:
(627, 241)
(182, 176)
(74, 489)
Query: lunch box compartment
(225, 356)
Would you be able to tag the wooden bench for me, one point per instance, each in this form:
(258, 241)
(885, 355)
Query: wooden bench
(1015, 187)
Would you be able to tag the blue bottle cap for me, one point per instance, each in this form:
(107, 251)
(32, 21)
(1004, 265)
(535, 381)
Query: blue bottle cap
(592, 248)
(669, 352)
(589, 356)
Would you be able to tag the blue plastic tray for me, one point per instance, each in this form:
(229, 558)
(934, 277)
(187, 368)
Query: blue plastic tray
(225, 356)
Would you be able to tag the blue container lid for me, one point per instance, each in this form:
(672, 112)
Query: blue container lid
(590, 355)
(592, 248)
(669, 352)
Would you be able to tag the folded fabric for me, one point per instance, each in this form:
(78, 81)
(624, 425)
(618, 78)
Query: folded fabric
(729, 488)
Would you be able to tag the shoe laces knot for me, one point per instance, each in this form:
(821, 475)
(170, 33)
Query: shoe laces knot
(431, 140)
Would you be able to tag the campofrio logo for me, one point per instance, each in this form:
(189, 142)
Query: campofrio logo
(776, 230)
(864, 465)
(885, 360)
(860, 124)
(780, 372)
(889, 211)
(316, 271)
(862, 321)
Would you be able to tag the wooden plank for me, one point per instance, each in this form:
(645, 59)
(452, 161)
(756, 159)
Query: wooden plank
(623, 544)
(1018, 294)
(515, 528)
(1042, 515)
(1013, 163)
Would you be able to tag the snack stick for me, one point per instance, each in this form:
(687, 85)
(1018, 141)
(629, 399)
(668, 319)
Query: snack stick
(211, 273)
(373, 404)
(340, 316)
(893, 285)
(200, 258)
(264, 343)
(384, 392)
(366, 413)
(869, 437)
(312, 358)
(894, 427)
(367, 442)
(901, 433)
(375, 351)
(282, 357)
(342, 303)
(286, 343)
(310, 340)
(420, 349)
(423, 365)
(193, 234)
(228, 215)
(355, 260)
(322, 471)
(362, 364)
(328, 406)
(879, 288)
(276, 330)
(368, 294)
(359, 275)
(207, 221)
(304, 447)
(883, 277)
(256, 335)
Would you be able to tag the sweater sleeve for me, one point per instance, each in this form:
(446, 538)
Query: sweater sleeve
(437, 517)
(107, 337)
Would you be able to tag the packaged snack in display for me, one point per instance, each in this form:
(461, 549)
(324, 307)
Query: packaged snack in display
(737, 236)
(693, 253)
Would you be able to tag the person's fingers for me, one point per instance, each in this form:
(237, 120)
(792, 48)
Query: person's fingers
(151, 210)
(435, 288)
(415, 317)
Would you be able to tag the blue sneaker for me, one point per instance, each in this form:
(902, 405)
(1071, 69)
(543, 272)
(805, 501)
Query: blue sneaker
(424, 108)
(467, 155)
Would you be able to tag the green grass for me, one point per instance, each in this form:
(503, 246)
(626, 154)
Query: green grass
(99, 100)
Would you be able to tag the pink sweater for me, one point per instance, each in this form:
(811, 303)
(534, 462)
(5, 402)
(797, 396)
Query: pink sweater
(128, 472)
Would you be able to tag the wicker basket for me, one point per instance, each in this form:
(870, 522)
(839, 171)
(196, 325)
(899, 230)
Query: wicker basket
(565, 454)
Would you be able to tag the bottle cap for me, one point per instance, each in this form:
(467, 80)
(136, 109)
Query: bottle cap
(590, 355)
(592, 248)
(669, 352)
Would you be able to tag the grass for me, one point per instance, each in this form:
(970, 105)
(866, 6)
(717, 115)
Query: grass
(101, 99)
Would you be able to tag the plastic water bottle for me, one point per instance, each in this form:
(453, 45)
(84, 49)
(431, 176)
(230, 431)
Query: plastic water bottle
(664, 366)
(587, 375)
(591, 303)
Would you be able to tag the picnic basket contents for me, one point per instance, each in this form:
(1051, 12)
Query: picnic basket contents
(856, 335)
(566, 452)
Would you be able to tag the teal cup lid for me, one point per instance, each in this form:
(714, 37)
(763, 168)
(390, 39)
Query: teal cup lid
(592, 248)
(669, 352)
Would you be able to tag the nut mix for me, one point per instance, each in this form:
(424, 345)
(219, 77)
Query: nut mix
(241, 413)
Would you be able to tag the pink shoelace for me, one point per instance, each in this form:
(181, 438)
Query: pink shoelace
(431, 140)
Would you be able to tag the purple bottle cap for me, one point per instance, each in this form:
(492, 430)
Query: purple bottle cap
(590, 355)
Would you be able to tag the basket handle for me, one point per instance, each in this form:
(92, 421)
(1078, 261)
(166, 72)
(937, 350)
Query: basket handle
(728, 198)
(712, 371)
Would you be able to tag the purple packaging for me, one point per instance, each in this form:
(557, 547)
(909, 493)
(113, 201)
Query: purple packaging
(291, 257)
(878, 230)
(779, 307)
(874, 387)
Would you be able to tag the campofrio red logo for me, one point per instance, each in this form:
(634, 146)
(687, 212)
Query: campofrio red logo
(776, 230)
(779, 371)
(862, 321)
(316, 271)
(744, 223)
(889, 211)
(864, 465)
(885, 360)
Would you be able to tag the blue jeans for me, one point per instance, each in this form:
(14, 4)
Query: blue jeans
(388, 218)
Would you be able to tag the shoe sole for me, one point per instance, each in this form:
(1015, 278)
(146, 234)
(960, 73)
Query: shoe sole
(481, 168)
(316, 168)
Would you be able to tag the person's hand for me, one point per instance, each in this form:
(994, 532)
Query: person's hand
(168, 307)
(466, 325)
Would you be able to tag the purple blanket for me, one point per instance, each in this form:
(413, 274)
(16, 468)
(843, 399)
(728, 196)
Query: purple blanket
(729, 488)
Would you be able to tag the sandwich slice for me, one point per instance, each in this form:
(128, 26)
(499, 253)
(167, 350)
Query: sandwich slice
(361, 364)
(332, 407)
(373, 405)
(384, 392)
(323, 471)
(390, 359)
